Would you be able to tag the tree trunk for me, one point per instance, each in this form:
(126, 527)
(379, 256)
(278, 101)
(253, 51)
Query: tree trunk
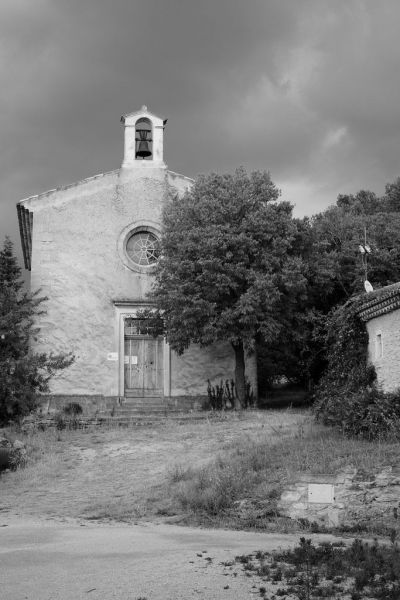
(239, 375)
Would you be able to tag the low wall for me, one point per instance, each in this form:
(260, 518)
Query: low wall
(348, 499)
(93, 405)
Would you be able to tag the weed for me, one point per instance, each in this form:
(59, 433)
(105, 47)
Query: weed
(325, 571)
(72, 408)
(222, 396)
(180, 473)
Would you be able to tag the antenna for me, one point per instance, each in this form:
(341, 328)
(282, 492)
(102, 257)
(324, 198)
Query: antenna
(365, 250)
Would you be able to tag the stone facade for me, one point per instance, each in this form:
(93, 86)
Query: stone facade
(74, 240)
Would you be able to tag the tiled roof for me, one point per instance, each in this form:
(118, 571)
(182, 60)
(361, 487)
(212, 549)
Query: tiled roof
(380, 302)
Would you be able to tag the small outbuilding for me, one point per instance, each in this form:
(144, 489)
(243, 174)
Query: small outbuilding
(381, 313)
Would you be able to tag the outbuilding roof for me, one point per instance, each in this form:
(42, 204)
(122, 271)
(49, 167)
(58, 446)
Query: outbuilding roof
(380, 302)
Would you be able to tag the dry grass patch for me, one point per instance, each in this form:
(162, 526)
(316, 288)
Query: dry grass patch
(125, 473)
(257, 468)
(200, 472)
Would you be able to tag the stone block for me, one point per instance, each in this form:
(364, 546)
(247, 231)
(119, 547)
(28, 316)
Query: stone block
(291, 496)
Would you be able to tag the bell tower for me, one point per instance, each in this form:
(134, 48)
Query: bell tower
(143, 140)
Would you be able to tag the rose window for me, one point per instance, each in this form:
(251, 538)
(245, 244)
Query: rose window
(142, 248)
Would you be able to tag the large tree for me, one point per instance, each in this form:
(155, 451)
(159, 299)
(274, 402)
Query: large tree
(329, 245)
(228, 270)
(23, 373)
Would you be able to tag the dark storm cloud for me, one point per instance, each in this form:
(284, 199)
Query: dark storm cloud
(305, 88)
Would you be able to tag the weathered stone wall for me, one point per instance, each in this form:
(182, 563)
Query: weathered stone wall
(98, 405)
(386, 365)
(357, 497)
(191, 370)
(91, 405)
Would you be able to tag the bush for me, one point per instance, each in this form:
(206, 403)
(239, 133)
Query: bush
(72, 408)
(348, 396)
(371, 413)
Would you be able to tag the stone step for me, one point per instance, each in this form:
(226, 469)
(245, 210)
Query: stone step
(142, 419)
(133, 395)
(140, 402)
(143, 409)
(139, 411)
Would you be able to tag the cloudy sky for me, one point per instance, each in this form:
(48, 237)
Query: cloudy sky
(307, 89)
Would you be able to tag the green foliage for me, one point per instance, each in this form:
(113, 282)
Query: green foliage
(329, 246)
(227, 269)
(341, 229)
(347, 396)
(73, 408)
(347, 372)
(369, 413)
(330, 570)
(23, 374)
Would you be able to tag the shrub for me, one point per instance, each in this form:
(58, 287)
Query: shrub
(72, 408)
(347, 396)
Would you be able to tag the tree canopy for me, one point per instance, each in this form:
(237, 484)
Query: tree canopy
(228, 270)
(329, 246)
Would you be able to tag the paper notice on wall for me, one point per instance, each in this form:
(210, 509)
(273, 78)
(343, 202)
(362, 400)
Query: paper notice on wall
(134, 360)
(112, 356)
(126, 360)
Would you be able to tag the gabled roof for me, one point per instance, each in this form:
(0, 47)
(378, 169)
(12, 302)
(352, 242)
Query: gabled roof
(25, 208)
(380, 302)
(142, 111)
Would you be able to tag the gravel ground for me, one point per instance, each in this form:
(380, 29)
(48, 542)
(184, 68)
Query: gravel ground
(53, 561)
(120, 473)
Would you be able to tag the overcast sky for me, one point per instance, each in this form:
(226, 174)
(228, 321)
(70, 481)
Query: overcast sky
(307, 89)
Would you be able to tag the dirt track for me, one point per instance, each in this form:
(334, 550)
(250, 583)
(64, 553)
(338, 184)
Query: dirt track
(120, 473)
(53, 561)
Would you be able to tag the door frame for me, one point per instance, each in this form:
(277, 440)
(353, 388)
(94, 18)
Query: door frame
(143, 343)
(124, 310)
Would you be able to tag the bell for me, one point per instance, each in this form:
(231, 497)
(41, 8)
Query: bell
(143, 150)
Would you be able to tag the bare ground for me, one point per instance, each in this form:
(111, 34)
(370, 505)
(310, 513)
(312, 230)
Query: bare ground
(120, 473)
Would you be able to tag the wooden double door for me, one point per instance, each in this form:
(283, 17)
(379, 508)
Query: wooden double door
(143, 366)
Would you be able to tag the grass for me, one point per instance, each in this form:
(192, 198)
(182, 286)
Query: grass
(43, 460)
(236, 466)
(329, 570)
(255, 471)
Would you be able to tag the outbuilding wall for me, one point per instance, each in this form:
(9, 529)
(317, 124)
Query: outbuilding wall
(384, 352)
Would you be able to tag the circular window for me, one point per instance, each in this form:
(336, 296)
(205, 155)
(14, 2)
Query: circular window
(142, 248)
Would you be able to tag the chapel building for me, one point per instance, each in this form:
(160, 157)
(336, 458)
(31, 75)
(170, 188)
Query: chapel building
(91, 247)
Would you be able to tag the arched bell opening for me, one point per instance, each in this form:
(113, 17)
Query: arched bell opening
(143, 139)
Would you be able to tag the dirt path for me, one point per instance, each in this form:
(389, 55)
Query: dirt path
(120, 473)
(44, 561)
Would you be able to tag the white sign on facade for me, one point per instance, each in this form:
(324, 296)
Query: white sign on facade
(112, 356)
(321, 493)
(126, 360)
(134, 360)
